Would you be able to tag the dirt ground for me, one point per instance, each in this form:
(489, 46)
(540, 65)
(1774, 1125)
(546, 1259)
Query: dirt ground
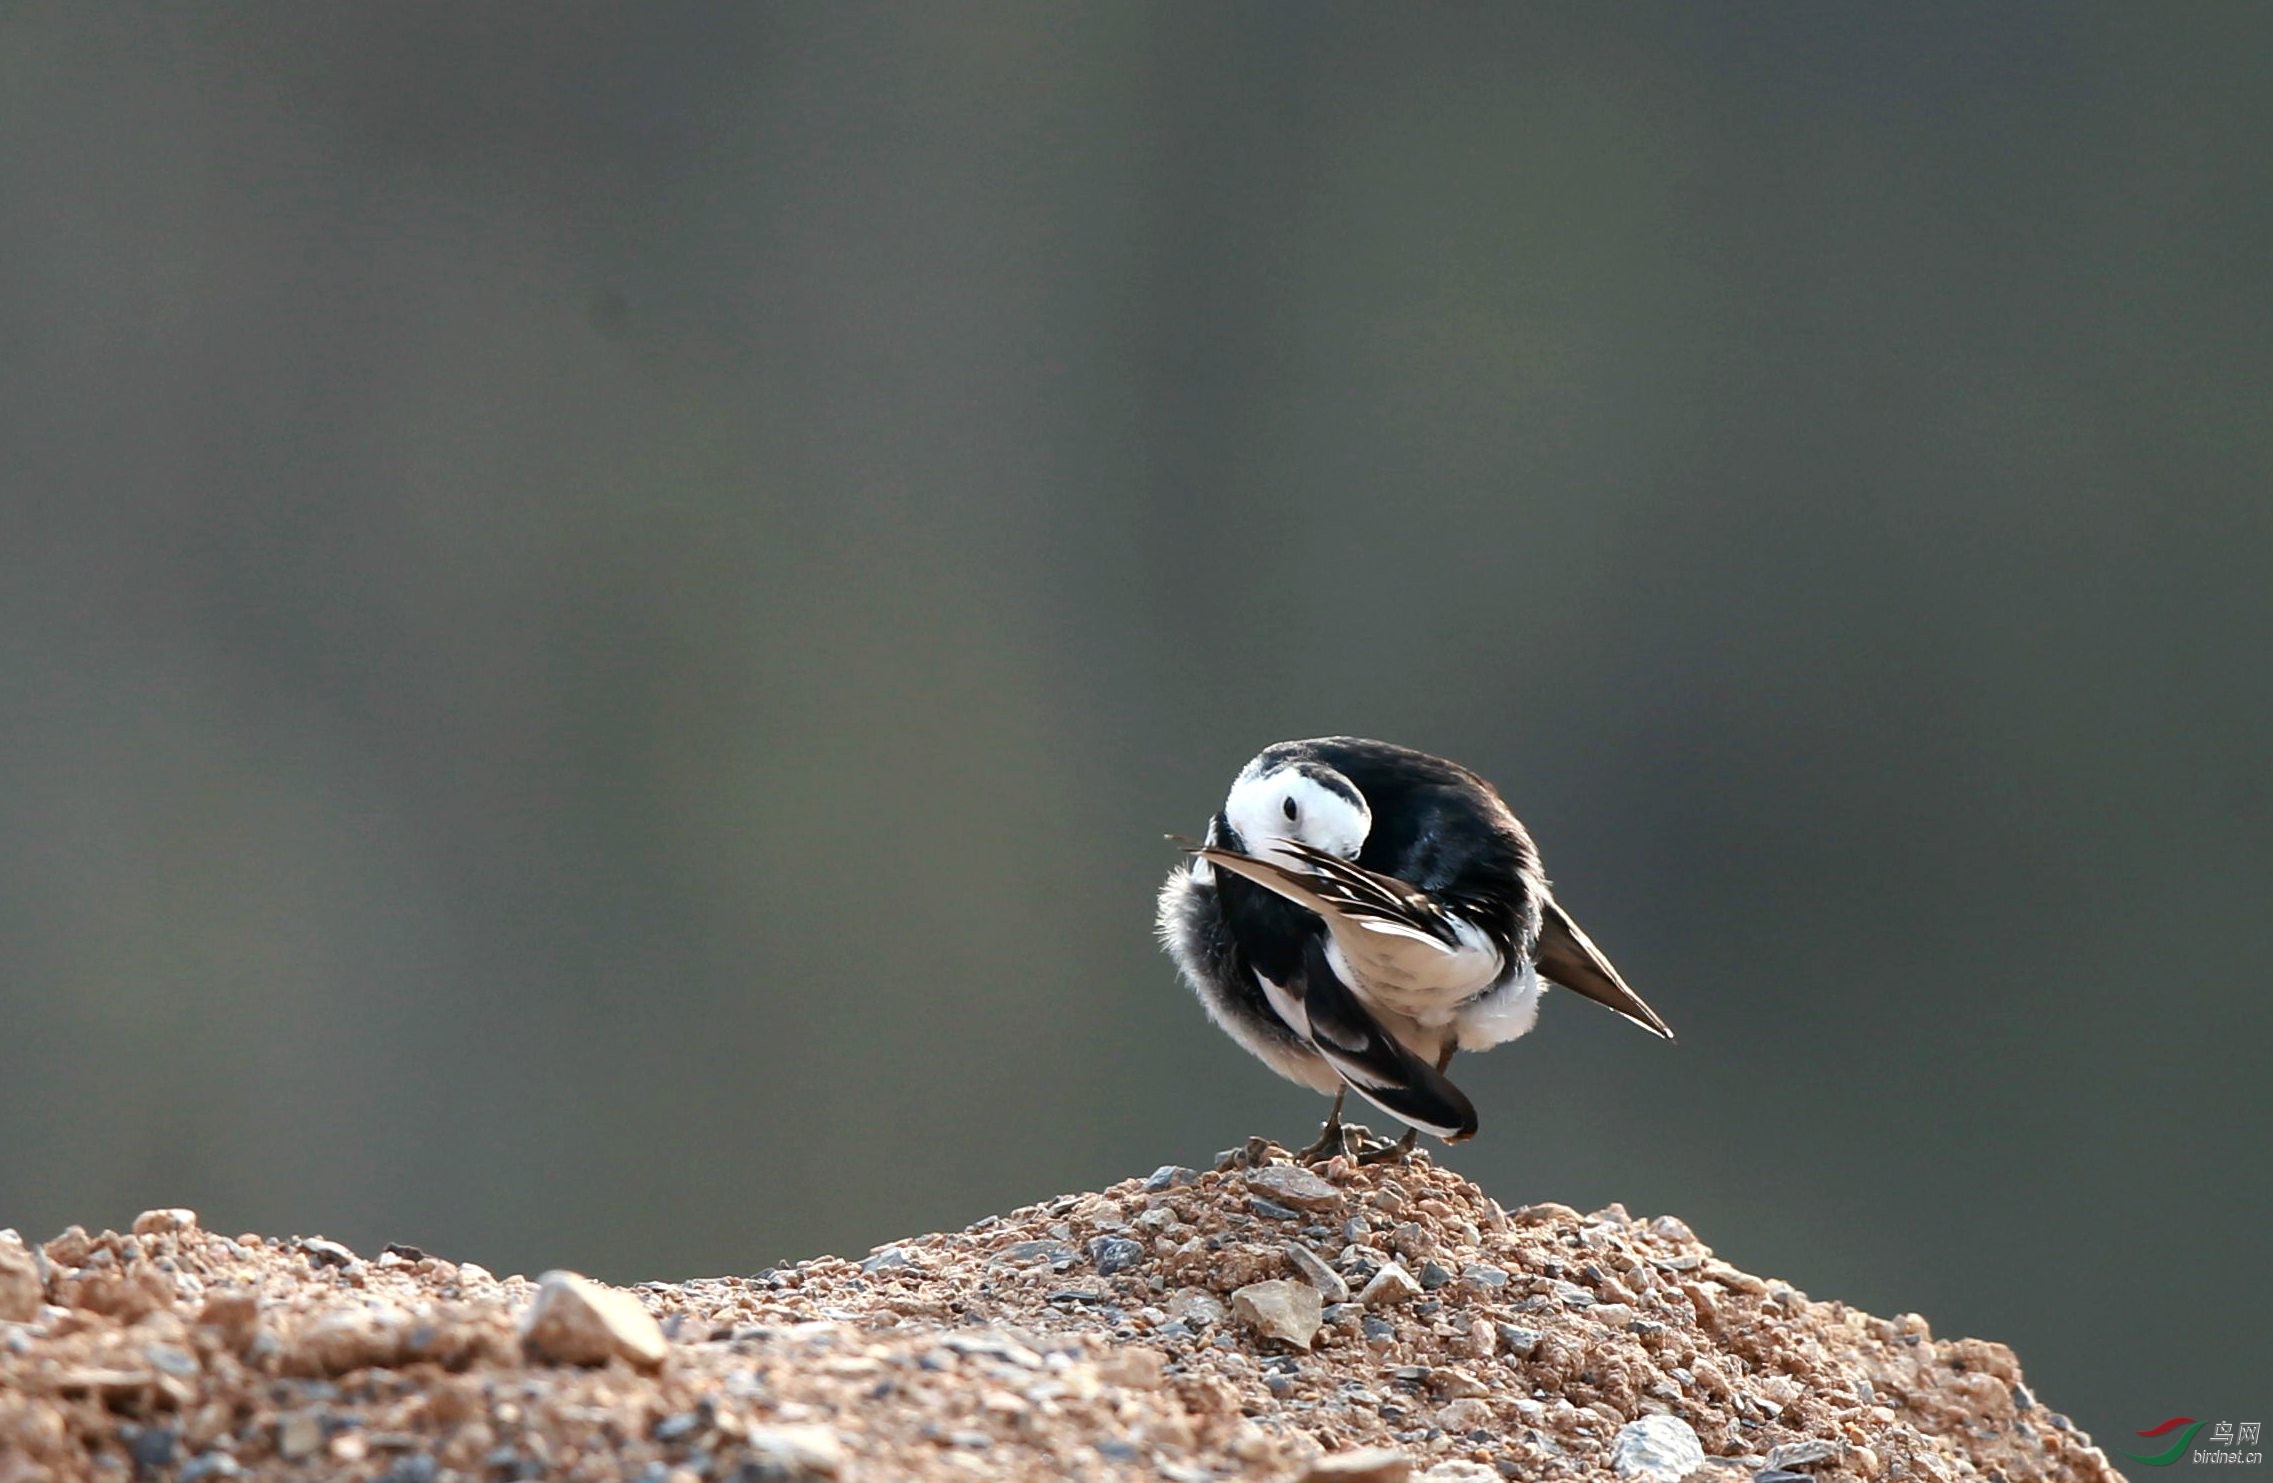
(1250, 1321)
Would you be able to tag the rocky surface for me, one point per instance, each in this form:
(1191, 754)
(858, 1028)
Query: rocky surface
(1253, 1321)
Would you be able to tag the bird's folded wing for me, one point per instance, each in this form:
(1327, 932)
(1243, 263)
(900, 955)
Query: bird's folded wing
(1333, 887)
(1373, 1062)
(1369, 1060)
(1569, 957)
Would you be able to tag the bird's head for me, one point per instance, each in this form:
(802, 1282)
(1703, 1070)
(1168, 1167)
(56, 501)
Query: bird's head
(1297, 799)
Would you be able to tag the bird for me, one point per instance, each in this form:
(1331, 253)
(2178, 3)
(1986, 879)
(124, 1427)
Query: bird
(1357, 912)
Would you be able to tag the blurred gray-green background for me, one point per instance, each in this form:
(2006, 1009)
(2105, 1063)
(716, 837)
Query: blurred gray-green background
(605, 608)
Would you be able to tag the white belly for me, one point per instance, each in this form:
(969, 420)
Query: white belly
(1418, 978)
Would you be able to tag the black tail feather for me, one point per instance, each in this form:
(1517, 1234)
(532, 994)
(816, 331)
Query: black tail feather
(1373, 1062)
(1569, 957)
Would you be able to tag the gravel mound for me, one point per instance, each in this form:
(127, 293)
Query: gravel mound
(1256, 1320)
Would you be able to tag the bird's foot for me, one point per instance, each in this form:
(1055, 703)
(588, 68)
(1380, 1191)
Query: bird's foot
(1391, 1153)
(1334, 1140)
(1253, 1154)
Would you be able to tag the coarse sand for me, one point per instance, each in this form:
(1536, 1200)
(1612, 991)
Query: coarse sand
(1257, 1320)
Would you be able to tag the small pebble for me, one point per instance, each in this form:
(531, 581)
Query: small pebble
(678, 1428)
(1286, 1311)
(1112, 1254)
(792, 1450)
(1799, 1454)
(1457, 1384)
(21, 1289)
(1293, 1185)
(171, 1361)
(149, 1446)
(1391, 1285)
(298, 1435)
(165, 1223)
(1656, 1449)
(1464, 1415)
(1313, 1270)
(1196, 1307)
(576, 1321)
(415, 1467)
(1028, 1253)
(1362, 1465)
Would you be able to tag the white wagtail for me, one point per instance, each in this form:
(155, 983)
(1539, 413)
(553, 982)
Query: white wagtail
(1359, 911)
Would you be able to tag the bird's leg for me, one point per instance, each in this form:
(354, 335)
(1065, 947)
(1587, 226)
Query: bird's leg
(1402, 1149)
(1332, 1140)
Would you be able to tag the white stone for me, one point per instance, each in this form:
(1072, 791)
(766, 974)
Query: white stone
(1282, 1310)
(1460, 1470)
(165, 1222)
(798, 1451)
(1364, 1465)
(1656, 1449)
(576, 1321)
(21, 1291)
(1392, 1284)
(1295, 1187)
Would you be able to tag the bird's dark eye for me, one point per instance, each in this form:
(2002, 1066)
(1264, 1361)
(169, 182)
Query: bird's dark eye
(1291, 810)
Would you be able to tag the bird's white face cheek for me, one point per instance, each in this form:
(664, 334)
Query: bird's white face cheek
(1289, 805)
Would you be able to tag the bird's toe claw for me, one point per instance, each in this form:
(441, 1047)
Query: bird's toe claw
(1391, 1153)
